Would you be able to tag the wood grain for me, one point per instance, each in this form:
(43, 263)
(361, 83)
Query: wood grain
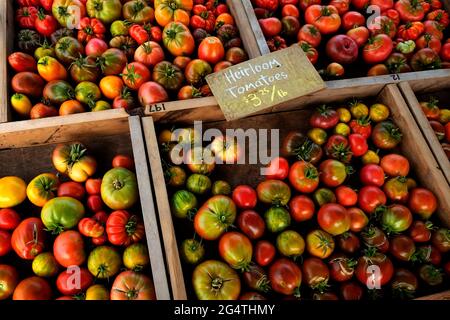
(148, 211)
(437, 296)
(6, 47)
(165, 216)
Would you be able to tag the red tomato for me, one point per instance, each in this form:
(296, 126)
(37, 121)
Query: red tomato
(68, 249)
(315, 273)
(211, 50)
(346, 196)
(358, 144)
(278, 169)
(45, 24)
(33, 288)
(285, 277)
(348, 242)
(341, 267)
(123, 228)
(372, 175)
(135, 74)
(9, 278)
(245, 197)
(353, 19)
(5, 242)
(383, 273)
(22, 62)
(304, 177)
(333, 218)
(307, 3)
(410, 10)
(420, 231)
(395, 165)
(358, 219)
(28, 239)
(290, 10)
(370, 198)
(9, 219)
(310, 34)
(90, 227)
(264, 253)
(359, 34)
(351, 291)
(123, 161)
(270, 27)
(252, 224)
(67, 285)
(360, 4)
(93, 186)
(324, 118)
(71, 189)
(332, 173)
(402, 247)
(94, 203)
(325, 18)
(342, 49)
(445, 52)
(377, 49)
(342, 6)
(382, 4)
(422, 202)
(301, 208)
(152, 92)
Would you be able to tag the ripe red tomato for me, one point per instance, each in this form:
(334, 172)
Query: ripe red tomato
(123, 161)
(67, 286)
(346, 196)
(341, 267)
(123, 228)
(93, 186)
(301, 208)
(358, 144)
(5, 242)
(236, 249)
(68, 249)
(353, 19)
(28, 239)
(410, 10)
(33, 288)
(342, 6)
(315, 273)
(359, 34)
(94, 203)
(211, 50)
(395, 165)
(285, 277)
(332, 173)
(422, 202)
(270, 27)
(382, 273)
(278, 169)
(310, 34)
(360, 4)
(325, 18)
(245, 197)
(351, 291)
(445, 53)
(420, 231)
(290, 10)
(342, 49)
(71, 189)
(252, 224)
(402, 247)
(372, 175)
(375, 237)
(358, 219)
(370, 198)
(264, 253)
(348, 242)
(324, 118)
(9, 219)
(334, 219)
(377, 49)
(304, 177)
(135, 74)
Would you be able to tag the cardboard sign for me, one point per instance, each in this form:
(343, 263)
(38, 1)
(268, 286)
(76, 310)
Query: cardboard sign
(264, 82)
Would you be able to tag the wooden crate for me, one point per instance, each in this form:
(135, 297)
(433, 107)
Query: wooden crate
(412, 92)
(425, 166)
(393, 78)
(7, 47)
(25, 151)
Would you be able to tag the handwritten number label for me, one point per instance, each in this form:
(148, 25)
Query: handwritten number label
(265, 95)
(157, 107)
(395, 77)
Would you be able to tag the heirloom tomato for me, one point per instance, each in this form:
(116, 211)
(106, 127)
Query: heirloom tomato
(319, 244)
(104, 262)
(178, 40)
(21, 62)
(358, 219)
(138, 11)
(310, 34)
(68, 249)
(396, 189)
(332, 173)
(130, 285)
(290, 244)
(112, 61)
(378, 49)
(431, 275)
(348, 242)
(404, 284)
(301, 208)
(9, 278)
(377, 261)
(45, 265)
(58, 91)
(402, 247)
(196, 71)
(285, 277)
(168, 75)
(236, 249)
(278, 168)
(68, 11)
(370, 198)
(324, 118)
(97, 292)
(351, 291)
(72, 160)
(273, 192)
(386, 135)
(342, 49)
(152, 92)
(33, 288)
(341, 267)
(149, 53)
(71, 189)
(422, 202)
(395, 165)
(315, 274)
(28, 83)
(372, 175)
(119, 188)
(264, 253)
(61, 213)
(192, 251)
(12, 191)
(28, 238)
(89, 227)
(325, 18)
(65, 281)
(211, 50)
(9, 219)
(135, 74)
(277, 219)
(441, 239)
(334, 219)
(21, 104)
(251, 223)
(304, 177)
(421, 231)
(106, 11)
(42, 189)
(396, 218)
(84, 69)
(5, 242)
(375, 237)
(123, 228)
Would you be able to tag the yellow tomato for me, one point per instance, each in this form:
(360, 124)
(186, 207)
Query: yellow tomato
(344, 115)
(97, 292)
(111, 86)
(317, 135)
(444, 116)
(101, 105)
(359, 110)
(21, 104)
(42, 188)
(51, 69)
(12, 191)
(342, 129)
(378, 112)
(371, 157)
(319, 244)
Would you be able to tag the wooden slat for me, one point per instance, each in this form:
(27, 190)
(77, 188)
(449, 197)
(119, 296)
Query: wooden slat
(424, 124)
(416, 149)
(148, 211)
(165, 216)
(48, 130)
(6, 47)
(437, 296)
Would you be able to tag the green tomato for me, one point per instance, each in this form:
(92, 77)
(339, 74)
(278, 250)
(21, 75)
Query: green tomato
(101, 105)
(198, 183)
(290, 243)
(119, 189)
(277, 219)
(135, 257)
(104, 262)
(62, 213)
(192, 251)
(324, 196)
(221, 187)
(87, 93)
(45, 265)
(106, 11)
(183, 204)
(119, 28)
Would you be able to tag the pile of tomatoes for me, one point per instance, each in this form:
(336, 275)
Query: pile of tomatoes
(337, 215)
(374, 36)
(439, 119)
(72, 235)
(79, 55)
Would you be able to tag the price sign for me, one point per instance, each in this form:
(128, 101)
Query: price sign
(264, 82)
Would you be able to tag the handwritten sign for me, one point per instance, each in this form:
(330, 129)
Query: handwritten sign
(264, 82)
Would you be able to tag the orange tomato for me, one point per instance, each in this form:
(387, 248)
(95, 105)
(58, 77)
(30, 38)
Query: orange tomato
(71, 107)
(189, 92)
(178, 39)
(111, 86)
(167, 11)
(41, 110)
(211, 50)
(224, 18)
(51, 69)
(181, 62)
